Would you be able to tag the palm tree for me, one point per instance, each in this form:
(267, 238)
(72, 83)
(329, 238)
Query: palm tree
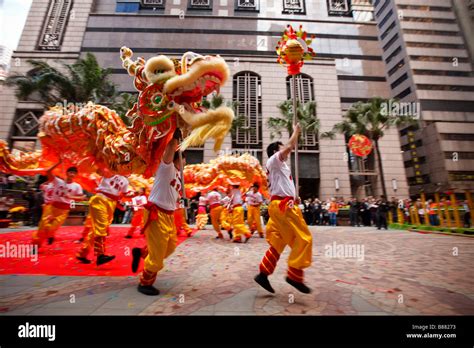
(80, 82)
(124, 103)
(371, 119)
(306, 115)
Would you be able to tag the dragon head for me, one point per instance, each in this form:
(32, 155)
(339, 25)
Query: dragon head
(171, 92)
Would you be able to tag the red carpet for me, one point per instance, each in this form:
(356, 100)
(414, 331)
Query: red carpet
(59, 258)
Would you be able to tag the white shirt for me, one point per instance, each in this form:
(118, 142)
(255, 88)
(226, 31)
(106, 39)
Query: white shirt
(254, 198)
(202, 201)
(279, 177)
(166, 188)
(138, 202)
(213, 197)
(115, 185)
(63, 190)
(48, 190)
(236, 197)
(226, 201)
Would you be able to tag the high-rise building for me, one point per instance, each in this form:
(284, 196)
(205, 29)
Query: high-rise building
(5, 56)
(348, 68)
(429, 69)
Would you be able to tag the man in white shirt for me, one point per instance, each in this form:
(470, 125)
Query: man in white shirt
(101, 214)
(160, 228)
(254, 200)
(238, 220)
(215, 207)
(138, 204)
(201, 218)
(61, 200)
(286, 225)
(226, 214)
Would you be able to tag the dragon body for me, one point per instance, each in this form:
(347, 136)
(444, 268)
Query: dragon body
(95, 139)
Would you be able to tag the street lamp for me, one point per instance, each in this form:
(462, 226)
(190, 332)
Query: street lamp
(394, 185)
(336, 184)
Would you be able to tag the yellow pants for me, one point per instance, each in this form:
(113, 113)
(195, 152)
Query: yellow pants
(51, 220)
(289, 228)
(201, 221)
(101, 215)
(225, 217)
(216, 213)
(161, 240)
(238, 222)
(253, 219)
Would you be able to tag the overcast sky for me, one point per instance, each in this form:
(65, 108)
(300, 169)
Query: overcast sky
(13, 15)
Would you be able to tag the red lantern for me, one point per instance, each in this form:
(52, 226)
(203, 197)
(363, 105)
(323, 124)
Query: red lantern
(360, 145)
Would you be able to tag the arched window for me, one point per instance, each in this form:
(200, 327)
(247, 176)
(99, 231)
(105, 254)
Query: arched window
(247, 92)
(304, 93)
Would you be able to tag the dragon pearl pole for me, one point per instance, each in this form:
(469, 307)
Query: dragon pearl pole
(295, 121)
(183, 195)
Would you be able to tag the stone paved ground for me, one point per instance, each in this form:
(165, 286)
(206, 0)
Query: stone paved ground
(401, 273)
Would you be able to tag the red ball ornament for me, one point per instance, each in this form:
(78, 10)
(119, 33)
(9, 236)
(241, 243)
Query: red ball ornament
(360, 145)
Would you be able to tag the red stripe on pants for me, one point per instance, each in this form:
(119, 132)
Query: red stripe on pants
(269, 261)
(295, 274)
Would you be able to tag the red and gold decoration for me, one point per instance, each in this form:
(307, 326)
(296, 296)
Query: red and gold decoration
(293, 48)
(360, 145)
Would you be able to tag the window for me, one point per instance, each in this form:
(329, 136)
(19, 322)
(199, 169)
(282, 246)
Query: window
(380, 10)
(440, 59)
(247, 92)
(399, 65)
(388, 30)
(127, 7)
(385, 19)
(55, 25)
(431, 32)
(155, 4)
(304, 93)
(390, 42)
(460, 155)
(247, 5)
(424, 8)
(200, 5)
(399, 81)
(434, 45)
(294, 6)
(441, 72)
(393, 55)
(428, 20)
(458, 137)
(339, 8)
(460, 88)
(404, 93)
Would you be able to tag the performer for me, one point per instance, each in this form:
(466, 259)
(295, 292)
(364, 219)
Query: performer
(215, 206)
(160, 229)
(101, 214)
(180, 219)
(286, 225)
(201, 218)
(138, 204)
(238, 221)
(64, 193)
(226, 214)
(254, 200)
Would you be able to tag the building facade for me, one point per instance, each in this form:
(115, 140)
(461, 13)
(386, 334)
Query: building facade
(348, 68)
(428, 66)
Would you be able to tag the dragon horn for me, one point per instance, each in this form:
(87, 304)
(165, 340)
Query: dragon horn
(128, 64)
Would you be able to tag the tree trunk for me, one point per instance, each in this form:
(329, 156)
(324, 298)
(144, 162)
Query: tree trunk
(379, 162)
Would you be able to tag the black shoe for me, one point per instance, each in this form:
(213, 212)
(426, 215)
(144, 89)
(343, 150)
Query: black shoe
(231, 236)
(299, 286)
(128, 237)
(101, 259)
(262, 280)
(50, 240)
(149, 290)
(247, 239)
(136, 256)
(262, 236)
(83, 260)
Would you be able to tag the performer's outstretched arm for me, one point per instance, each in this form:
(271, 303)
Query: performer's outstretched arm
(171, 147)
(291, 143)
(49, 173)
